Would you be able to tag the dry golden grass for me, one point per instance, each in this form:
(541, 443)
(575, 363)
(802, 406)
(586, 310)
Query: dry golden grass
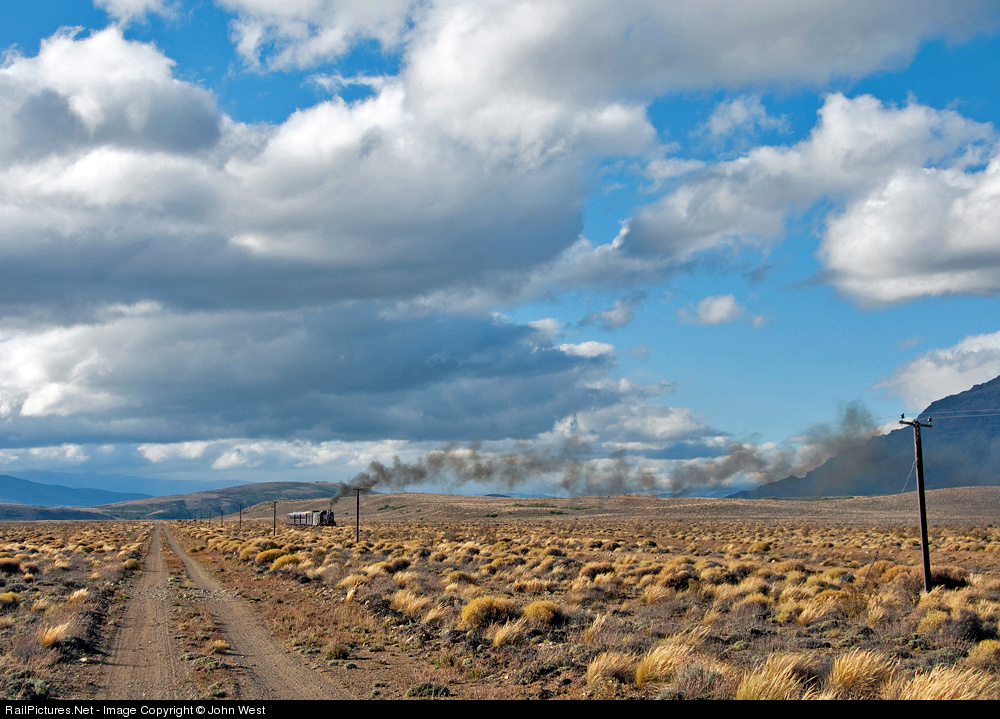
(775, 679)
(511, 633)
(286, 560)
(51, 635)
(544, 613)
(268, 556)
(945, 683)
(859, 674)
(660, 663)
(483, 611)
(985, 656)
(611, 665)
(409, 603)
(77, 598)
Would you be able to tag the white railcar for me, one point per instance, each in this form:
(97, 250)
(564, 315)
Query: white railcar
(315, 518)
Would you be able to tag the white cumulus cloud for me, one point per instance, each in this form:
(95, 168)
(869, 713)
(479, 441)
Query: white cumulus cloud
(947, 371)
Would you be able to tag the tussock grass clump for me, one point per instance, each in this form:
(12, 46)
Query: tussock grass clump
(859, 674)
(131, 564)
(247, 554)
(611, 665)
(533, 586)
(437, 615)
(407, 579)
(77, 598)
(654, 593)
(268, 556)
(945, 683)
(409, 602)
(9, 565)
(544, 613)
(483, 611)
(660, 663)
(50, 636)
(9, 600)
(589, 571)
(775, 679)
(985, 655)
(285, 560)
(511, 633)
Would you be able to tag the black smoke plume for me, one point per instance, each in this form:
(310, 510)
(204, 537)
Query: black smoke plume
(576, 470)
(761, 466)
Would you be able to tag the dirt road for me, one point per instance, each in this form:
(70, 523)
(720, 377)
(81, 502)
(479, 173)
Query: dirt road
(146, 661)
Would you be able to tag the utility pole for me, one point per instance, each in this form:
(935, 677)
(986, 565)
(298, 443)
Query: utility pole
(241, 516)
(918, 451)
(274, 521)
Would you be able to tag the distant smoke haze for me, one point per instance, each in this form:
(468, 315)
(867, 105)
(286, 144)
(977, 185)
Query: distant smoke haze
(763, 464)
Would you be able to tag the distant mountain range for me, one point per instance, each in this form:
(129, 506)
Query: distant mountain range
(961, 449)
(226, 500)
(195, 505)
(150, 486)
(14, 490)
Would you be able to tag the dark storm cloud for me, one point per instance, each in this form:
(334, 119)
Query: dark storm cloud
(337, 372)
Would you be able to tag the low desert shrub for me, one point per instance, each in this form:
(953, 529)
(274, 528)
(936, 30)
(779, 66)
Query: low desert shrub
(217, 646)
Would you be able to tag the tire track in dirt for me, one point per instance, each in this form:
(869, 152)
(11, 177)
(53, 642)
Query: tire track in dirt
(145, 660)
(266, 669)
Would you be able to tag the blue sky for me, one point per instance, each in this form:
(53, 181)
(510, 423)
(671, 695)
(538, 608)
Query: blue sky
(626, 243)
